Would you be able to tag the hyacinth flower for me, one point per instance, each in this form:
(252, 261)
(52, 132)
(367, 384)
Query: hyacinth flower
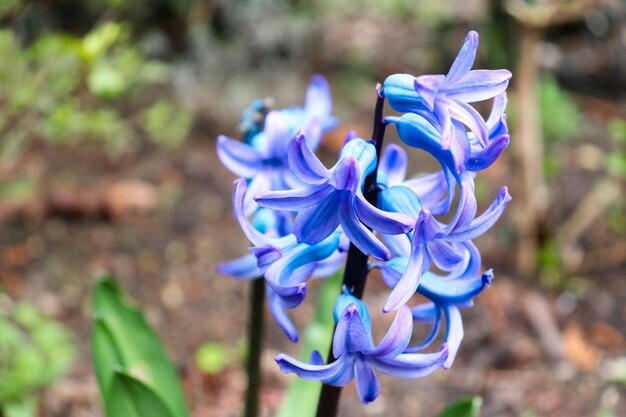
(262, 158)
(356, 356)
(285, 263)
(431, 242)
(443, 100)
(334, 197)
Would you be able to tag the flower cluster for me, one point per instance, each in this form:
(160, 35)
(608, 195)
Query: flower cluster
(301, 217)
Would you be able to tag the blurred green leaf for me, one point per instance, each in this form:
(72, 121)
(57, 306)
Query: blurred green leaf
(124, 344)
(166, 124)
(130, 397)
(212, 358)
(463, 407)
(560, 117)
(26, 406)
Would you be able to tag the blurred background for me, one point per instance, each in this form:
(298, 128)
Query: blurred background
(109, 110)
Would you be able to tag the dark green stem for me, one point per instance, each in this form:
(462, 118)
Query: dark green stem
(355, 274)
(255, 339)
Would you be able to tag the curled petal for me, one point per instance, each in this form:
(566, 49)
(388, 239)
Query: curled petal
(468, 115)
(398, 336)
(406, 286)
(244, 267)
(483, 159)
(454, 333)
(328, 374)
(382, 221)
(412, 365)
(277, 309)
(290, 296)
(240, 158)
(482, 223)
(367, 385)
(303, 162)
(434, 331)
(358, 234)
(455, 291)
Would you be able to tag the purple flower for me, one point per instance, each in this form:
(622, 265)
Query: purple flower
(263, 158)
(356, 357)
(432, 242)
(285, 263)
(443, 100)
(334, 197)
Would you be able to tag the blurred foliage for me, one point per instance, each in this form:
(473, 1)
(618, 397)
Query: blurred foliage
(35, 351)
(135, 375)
(213, 358)
(463, 407)
(70, 90)
(561, 119)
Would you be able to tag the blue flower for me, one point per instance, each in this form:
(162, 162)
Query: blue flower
(334, 197)
(285, 263)
(356, 357)
(432, 242)
(444, 100)
(262, 158)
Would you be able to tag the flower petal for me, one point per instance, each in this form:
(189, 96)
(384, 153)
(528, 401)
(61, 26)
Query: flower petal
(464, 60)
(482, 223)
(454, 333)
(318, 102)
(303, 162)
(351, 333)
(244, 267)
(325, 373)
(300, 198)
(277, 308)
(412, 365)
(312, 225)
(427, 87)
(405, 288)
(241, 159)
(398, 336)
(382, 221)
(358, 234)
(392, 165)
(479, 85)
(367, 385)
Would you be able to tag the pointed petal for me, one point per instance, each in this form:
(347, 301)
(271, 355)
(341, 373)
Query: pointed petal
(278, 135)
(398, 336)
(407, 285)
(351, 333)
(444, 255)
(392, 165)
(482, 223)
(478, 85)
(277, 308)
(367, 385)
(468, 115)
(303, 162)
(241, 159)
(244, 267)
(382, 221)
(324, 373)
(316, 358)
(454, 332)
(497, 110)
(483, 159)
(358, 234)
(293, 200)
(464, 60)
(455, 291)
(412, 365)
(259, 183)
(318, 102)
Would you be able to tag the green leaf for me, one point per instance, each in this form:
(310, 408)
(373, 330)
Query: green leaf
(130, 397)
(212, 358)
(25, 406)
(123, 342)
(463, 407)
